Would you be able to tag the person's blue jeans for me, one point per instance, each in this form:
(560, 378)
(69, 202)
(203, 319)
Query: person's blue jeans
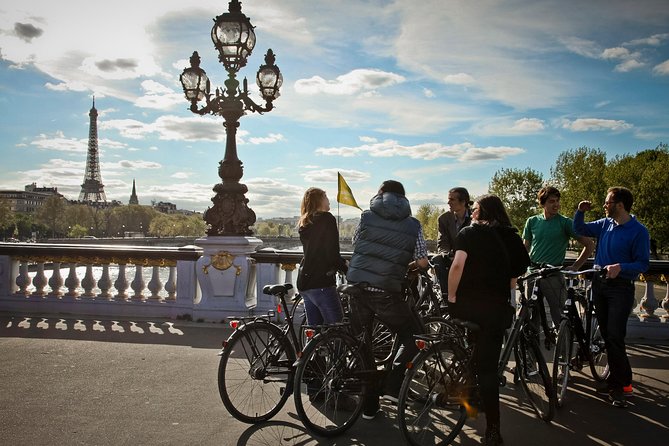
(322, 305)
(614, 302)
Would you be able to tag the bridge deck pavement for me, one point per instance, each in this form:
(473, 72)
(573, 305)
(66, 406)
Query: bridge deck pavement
(145, 382)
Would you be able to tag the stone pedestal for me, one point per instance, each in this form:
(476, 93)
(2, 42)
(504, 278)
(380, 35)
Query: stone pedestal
(226, 275)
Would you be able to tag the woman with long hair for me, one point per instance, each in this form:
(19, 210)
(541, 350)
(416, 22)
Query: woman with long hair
(320, 241)
(489, 256)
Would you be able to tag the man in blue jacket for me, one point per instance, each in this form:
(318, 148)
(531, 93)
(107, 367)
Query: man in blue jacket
(386, 241)
(623, 250)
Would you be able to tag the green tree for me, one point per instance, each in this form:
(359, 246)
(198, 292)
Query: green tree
(517, 188)
(78, 215)
(646, 174)
(579, 175)
(6, 218)
(77, 231)
(428, 216)
(52, 215)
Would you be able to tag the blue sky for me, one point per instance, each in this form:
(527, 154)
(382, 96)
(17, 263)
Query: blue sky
(434, 93)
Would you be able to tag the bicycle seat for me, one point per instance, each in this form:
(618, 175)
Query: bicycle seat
(277, 289)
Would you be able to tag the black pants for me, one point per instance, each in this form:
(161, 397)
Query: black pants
(442, 263)
(392, 310)
(492, 320)
(614, 301)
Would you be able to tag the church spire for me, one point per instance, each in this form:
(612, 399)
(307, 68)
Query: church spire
(133, 196)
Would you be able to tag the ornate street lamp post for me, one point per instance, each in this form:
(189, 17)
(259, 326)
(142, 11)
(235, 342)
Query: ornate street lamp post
(234, 38)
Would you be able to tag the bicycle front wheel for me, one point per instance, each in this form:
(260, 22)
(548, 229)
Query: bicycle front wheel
(562, 361)
(330, 381)
(599, 360)
(534, 378)
(255, 374)
(430, 409)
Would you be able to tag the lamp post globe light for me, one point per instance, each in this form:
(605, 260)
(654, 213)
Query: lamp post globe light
(234, 38)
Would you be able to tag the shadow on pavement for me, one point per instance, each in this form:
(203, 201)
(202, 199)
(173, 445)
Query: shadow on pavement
(139, 331)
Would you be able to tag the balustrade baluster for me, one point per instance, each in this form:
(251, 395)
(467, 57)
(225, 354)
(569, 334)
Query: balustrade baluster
(648, 302)
(56, 281)
(40, 280)
(289, 268)
(665, 301)
(138, 284)
(23, 280)
(121, 283)
(171, 285)
(105, 283)
(72, 281)
(88, 283)
(155, 285)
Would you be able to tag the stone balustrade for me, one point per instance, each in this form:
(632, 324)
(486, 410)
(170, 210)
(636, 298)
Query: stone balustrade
(158, 281)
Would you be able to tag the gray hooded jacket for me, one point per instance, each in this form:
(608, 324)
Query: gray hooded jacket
(386, 243)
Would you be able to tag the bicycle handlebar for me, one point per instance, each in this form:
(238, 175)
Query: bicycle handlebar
(543, 272)
(595, 271)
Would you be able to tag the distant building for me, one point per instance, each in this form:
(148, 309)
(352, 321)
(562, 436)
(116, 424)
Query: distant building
(165, 208)
(30, 199)
(133, 195)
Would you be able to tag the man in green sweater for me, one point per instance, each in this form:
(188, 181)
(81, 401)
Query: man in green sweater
(546, 237)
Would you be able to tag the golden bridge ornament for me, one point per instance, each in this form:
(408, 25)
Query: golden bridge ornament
(222, 261)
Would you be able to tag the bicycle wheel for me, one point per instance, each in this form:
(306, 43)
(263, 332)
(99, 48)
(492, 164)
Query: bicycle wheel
(430, 409)
(599, 360)
(330, 383)
(255, 374)
(299, 317)
(562, 361)
(382, 342)
(534, 378)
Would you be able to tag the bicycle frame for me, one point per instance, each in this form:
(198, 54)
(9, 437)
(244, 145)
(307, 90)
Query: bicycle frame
(527, 306)
(583, 335)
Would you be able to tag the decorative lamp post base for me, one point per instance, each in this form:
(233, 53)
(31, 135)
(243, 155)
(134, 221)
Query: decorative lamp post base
(227, 275)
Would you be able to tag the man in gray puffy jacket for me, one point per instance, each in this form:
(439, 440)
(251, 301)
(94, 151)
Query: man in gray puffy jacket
(386, 242)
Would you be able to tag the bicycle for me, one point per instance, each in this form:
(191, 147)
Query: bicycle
(333, 374)
(256, 370)
(440, 385)
(579, 339)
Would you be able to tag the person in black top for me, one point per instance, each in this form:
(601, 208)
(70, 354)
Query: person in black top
(489, 256)
(320, 242)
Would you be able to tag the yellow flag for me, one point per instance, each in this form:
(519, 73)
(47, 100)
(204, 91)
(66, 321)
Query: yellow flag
(344, 194)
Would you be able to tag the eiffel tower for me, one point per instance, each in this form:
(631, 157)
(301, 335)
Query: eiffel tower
(93, 190)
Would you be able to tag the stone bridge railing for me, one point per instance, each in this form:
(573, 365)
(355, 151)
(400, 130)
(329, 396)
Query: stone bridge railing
(167, 282)
(103, 280)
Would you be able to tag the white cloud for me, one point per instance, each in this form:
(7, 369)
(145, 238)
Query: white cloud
(662, 69)
(582, 47)
(654, 40)
(181, 175)
(428, 93)
(507, 127)
(615, 53)
(134, 165)
(528, 125)
(629, 65)
(270, 139)
(59, 142)
(169, 127)
(595, 124)
(459, 79)
(330, 176)
(354, 82)
(426, 151)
